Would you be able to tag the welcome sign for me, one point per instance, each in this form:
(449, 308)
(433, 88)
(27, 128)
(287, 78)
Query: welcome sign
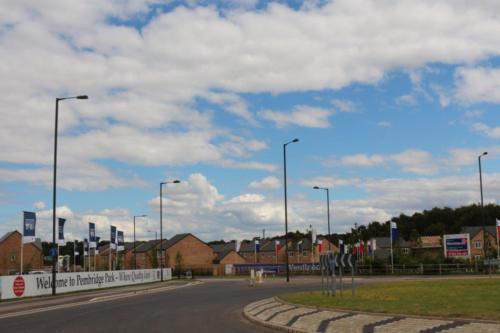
(41, 284)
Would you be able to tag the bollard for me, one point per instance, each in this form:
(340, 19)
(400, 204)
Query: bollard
(252, 277)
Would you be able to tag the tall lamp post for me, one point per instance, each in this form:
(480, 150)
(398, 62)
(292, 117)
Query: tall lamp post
(54, 246)
(286, 208)
(482, 203)
(135, 252)
(161, 222)
(328, 212)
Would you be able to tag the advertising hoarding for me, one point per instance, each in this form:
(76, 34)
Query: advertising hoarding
(457, 245)
(18, 286)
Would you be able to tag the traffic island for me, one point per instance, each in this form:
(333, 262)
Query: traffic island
(409, 307)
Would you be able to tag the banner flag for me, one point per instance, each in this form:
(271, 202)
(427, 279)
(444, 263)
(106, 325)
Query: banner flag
(238, 245)
(277, 245)
(85, 247)
(75, 249)
(29, 223)
(394, 232)
(92, 240)
(97, 239)
(320, 246)
(257, 246)
(341, 246)
(374, 244)
(60, 231)
(313, 236)
(121, 241)
(498, 228)
(112, 244)
(299, 246)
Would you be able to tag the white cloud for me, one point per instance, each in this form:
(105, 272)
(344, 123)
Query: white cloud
(344, 105)
(479, 84)
(301, 115)
(362, 160)
(143, 90)
(492, 132)
(331, 182)
(39, 205)
(267, 183)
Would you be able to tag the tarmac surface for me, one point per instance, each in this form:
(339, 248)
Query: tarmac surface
(213, 306)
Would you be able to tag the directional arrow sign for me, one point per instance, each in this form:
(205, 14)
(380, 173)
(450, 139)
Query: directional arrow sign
(331, 260)
(349, 260)
(336, 259)
(342, 260)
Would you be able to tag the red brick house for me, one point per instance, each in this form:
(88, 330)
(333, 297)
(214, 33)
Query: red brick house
(10, 254)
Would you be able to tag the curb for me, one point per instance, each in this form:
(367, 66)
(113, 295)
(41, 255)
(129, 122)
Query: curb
(263, 322)
(270, 325)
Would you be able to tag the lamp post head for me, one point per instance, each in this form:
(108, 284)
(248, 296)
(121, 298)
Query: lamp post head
(176, 181)
(485, 153)
(82, 97)
(316, 187)
(295, 140)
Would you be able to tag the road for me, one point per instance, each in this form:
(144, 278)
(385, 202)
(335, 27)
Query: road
(214, 306)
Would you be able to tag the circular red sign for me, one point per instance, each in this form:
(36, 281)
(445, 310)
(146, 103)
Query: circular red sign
(18, 286)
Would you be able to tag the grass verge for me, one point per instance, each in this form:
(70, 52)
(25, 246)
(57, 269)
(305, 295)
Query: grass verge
(471, 298)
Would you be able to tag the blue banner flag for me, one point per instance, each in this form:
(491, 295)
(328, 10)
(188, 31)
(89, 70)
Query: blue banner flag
(60, 231)
(257, 246)
(341, 246)
(92, 240)
(121, 241)
(29, 223)
(394, 232)
(112, 244)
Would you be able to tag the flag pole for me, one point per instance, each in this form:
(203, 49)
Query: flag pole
(392, 254)
(74, 256)
(22, 247)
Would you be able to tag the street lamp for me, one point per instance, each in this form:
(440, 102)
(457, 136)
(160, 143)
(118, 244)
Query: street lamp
(156, 233)
(482, 204)
(54, 246)
(286, 208)
(328, 212)
(161, 222)
(135, 252)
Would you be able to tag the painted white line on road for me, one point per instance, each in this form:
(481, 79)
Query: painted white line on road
(95, 300)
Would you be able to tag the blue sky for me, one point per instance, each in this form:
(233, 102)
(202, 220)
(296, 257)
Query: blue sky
(392, 104)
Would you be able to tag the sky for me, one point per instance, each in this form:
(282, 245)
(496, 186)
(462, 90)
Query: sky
(392, 103)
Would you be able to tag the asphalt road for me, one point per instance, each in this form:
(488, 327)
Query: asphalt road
(214, 306)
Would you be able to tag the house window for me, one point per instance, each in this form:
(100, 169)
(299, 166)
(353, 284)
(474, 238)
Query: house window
(478, 245)
(13, 258)
(477, 257)
(406, 250)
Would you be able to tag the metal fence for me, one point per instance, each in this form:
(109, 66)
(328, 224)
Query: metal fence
(427, 269)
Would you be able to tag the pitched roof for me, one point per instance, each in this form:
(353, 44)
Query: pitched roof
(223, 254)
(37, 243)
(473, 231)
(146, 246)
(166, 244)
(386, 242)
(224, 247)
(7, 235)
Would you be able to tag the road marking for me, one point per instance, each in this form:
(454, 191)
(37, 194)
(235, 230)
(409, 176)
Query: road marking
(94, 300)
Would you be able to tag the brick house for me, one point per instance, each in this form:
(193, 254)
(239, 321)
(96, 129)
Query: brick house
(226, 254)
(428, 246)
(144, 252)
(10, 254)
(247, 250)
(187, 252)
(477, 240)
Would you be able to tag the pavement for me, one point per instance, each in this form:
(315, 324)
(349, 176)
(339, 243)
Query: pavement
(278, 314)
